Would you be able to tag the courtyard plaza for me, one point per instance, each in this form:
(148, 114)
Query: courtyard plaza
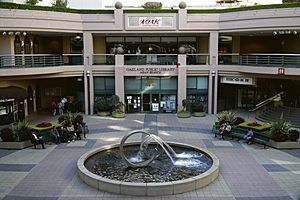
(247, 172)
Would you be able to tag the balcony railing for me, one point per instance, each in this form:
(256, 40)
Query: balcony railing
(266, 60)
(103, 59)
(150, 59)
(197, 59)
(39, 60)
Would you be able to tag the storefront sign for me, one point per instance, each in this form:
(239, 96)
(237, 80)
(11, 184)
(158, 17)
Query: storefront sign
(156, 71)
(6, 100)
(238, 80)
(150, 21)
(281, 71)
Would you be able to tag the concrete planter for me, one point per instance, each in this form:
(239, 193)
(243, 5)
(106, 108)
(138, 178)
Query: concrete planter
(184, 114)
(285, 145)
(15, 145)
(199, 114)
(103, 114)
(118, 114)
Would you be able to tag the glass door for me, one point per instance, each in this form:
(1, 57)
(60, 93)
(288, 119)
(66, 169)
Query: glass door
(133, 103)
(146, 103)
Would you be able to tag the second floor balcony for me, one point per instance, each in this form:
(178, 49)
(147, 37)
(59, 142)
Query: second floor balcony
(53, 60)
(263, 60)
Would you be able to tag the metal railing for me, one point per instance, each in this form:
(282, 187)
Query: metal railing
(150, 59)
(258, 106)
(103, 59)
(39, 60)
(197, 59)
(266, 60)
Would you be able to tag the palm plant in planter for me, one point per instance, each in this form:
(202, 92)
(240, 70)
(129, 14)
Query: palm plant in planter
(117, 107)
(103, 107)
(185, 112)
(226, 116)
(21, 131)
(197, 109)
(279, 130)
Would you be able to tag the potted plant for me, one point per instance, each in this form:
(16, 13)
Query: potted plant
(279, 130)
(7, 135)
(293, 135)
(119, 112)
(103, 108)
(226, 116)
(184, 113)
(21, 131)
(197, 109)
(16, 136)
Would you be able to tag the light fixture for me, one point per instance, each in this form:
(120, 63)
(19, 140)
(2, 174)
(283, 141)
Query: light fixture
(88, 73)
(17, 33)
(10, 33)
(4, 33)
(77, 37)
(285, 32)
(79, 79)
(24, 33)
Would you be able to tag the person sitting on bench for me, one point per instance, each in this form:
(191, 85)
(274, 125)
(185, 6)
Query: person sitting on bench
(249, 137)
(36, 140)
(226, 130)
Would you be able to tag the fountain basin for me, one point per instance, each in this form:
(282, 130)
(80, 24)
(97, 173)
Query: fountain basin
(150, 188)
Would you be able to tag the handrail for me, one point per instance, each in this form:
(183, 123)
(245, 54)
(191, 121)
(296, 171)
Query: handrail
(266, 102)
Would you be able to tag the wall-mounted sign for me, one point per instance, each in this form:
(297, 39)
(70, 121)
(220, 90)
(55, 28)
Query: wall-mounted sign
(281, 71)
(6, 100)
(150, 21)
(151, 70)
(238, 80)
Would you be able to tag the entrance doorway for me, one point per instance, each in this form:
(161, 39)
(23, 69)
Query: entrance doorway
(150, 103)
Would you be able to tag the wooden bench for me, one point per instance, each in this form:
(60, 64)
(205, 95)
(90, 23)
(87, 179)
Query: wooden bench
(259, 137)
(239, 133)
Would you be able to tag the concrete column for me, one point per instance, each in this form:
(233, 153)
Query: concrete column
(118, 14)
(216, 77)
(182, 18)
(213, 48)
(34, 100)
(210, 92)
(182, 73)
(236, 47)
(119, 77)
(88, 79)
(213, 76)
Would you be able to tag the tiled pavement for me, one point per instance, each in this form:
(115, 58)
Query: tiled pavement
(247, 172)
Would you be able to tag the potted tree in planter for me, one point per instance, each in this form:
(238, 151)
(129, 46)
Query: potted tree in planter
(103, 108)
(184, 113)
(279, 130)
(197, 109)
(117, 107)
(16, 137)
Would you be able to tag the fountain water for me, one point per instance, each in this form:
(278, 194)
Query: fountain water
(149, 167)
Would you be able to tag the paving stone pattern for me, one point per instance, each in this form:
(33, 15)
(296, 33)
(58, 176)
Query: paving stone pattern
(247, 172)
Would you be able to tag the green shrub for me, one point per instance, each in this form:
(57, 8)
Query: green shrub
(197, 106)
(7, 135)
(226, 116)
(21, 131)
(279, 129)
(102, 106)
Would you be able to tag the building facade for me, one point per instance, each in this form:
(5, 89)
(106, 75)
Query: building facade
(152, 61)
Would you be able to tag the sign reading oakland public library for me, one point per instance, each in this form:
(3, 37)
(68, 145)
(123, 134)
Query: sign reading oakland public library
(150, 21)
(151, 71)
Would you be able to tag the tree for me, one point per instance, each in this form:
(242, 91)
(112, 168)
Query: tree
(152, 5)
(60, 3)
(32, 2)
(290, 1)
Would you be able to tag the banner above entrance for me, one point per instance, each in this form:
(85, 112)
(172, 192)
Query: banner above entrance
(151, 71)
(238, 80)
(152, 21)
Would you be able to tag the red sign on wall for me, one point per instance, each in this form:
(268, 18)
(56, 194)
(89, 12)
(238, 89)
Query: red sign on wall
(281, 71)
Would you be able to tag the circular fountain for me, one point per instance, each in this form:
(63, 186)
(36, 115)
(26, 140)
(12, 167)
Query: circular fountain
(150, 167)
